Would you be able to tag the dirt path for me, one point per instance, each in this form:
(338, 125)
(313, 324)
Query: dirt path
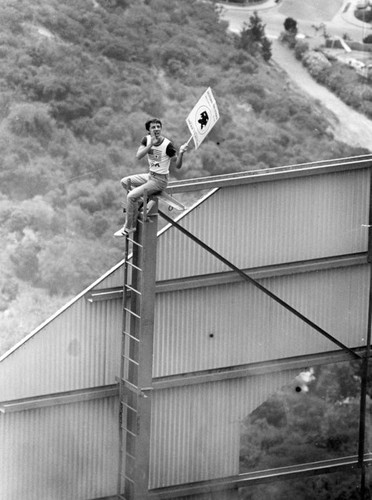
(349, 126)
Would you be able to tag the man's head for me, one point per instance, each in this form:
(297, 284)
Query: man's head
(153, 121)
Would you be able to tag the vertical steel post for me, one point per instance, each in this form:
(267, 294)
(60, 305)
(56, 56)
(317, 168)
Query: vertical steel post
(148, 237)
(137, 361)
(365, 362)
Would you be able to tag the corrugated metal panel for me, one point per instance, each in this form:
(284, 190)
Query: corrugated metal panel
(113, 279)
(292, 219)
(196, 430)
(194, 435)
(252, 225)
(78, 349)
(60, 453)
(270, 223)
(235, 324)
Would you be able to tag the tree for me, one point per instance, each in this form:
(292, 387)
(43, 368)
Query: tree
(299, 427)
(290, 32)
(252, 38)
(266, 49)
(290, 25)
(256, 27)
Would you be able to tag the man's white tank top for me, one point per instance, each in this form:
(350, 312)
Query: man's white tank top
(158, 159)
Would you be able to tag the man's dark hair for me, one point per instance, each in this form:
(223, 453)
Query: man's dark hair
(153, 120)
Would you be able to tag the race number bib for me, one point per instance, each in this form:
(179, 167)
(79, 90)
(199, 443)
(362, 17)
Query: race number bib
(155, 157)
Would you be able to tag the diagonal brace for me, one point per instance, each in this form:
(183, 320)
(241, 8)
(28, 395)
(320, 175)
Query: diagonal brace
(245, 276)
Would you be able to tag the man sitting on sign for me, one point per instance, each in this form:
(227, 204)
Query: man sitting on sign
(160, 154)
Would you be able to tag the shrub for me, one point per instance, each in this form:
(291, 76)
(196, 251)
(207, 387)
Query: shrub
(116, 51)
(300, 49)
(364, 15)
(8, 291)
(316, 62)
(266, 49)
(24, 257)
(247, 63)
(289, 38)
(367, 39)
(30, 120)
(366, 94)
(367, 108)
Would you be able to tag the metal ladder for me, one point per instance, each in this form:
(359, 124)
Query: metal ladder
(136, 360)
(128, 380)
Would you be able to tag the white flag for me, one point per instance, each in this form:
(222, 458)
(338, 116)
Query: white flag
(203, 117)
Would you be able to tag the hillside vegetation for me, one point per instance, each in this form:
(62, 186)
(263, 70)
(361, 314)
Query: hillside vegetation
(78, 79)
(306, 425)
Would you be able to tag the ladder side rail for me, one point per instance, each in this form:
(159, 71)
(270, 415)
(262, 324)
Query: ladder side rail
(122, 442)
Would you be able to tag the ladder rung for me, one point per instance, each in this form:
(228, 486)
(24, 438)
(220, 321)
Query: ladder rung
(130, 359)
(133, 410)
(123, 474)
(129, 455)
(133, 265)
(131, 387)
(130, 335)
(131, 312)
(123, 449)
(129, 406)
(129, 432)
(121, 496)
(133, 289)
(134, 242)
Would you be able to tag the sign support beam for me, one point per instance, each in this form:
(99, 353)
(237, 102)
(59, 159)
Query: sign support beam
(258, 285)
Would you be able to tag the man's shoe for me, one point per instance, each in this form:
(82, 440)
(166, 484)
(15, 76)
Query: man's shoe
(120, 233)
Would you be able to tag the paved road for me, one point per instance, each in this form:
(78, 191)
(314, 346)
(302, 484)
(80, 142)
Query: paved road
(349, 126)
(336, 15)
